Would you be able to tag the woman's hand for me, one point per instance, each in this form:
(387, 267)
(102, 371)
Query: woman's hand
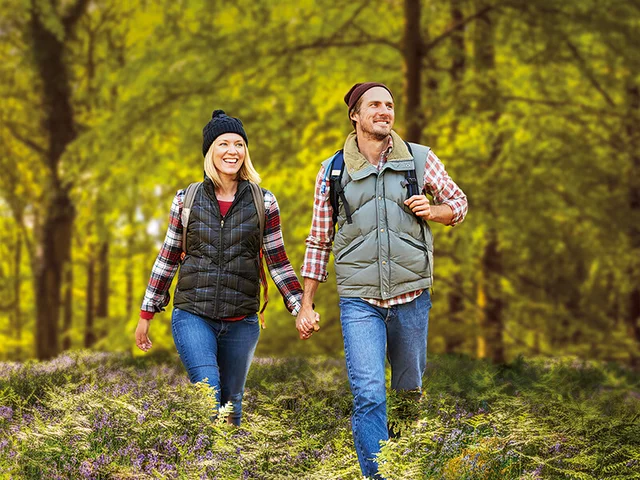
(307, 322)
(142, 335)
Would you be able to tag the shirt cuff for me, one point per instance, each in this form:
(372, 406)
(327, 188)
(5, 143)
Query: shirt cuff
(321, 277)
(146, 315)
(457, 214)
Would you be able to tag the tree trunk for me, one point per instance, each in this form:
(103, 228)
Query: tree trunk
(54, 242)
(67, 318)
(491, 344)
(89, 333)
(458, 56)
(129, 279)
(17, 285)
(412, 51)
(490, 304)
(102, 309)
(458, 62)
(453, 339)
(53, 252)
(633, 310)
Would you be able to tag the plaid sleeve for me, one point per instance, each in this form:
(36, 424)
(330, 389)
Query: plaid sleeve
(278, 263)
(156, 296)
(444, 190)
(320, 237)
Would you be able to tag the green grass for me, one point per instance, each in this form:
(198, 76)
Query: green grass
(96, 415)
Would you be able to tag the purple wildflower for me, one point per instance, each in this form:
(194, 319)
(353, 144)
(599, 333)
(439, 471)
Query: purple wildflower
(86, 469)
(138, 460)
(6, 413)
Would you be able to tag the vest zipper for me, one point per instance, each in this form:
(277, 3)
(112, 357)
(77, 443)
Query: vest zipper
(414, 245)
(220, 259)
(350, 249)
(221, 253)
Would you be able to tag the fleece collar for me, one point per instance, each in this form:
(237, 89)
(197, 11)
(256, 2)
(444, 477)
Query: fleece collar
(356, 163)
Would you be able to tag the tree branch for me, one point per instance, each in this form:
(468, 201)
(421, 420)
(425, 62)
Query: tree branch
(561, 103)
(333, 41)
(27, 239)
(587, 72)
(327, 44)
(377, 40)
(449, 31)
(29, 143)
(74, 14)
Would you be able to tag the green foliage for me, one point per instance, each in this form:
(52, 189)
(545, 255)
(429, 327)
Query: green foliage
(541, 139)
(92, 415)
(530, 419)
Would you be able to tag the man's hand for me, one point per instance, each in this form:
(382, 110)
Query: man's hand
(142, 335)
(420, 206)
(307, 322)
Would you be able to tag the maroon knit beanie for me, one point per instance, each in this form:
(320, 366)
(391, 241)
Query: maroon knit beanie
(352, 96)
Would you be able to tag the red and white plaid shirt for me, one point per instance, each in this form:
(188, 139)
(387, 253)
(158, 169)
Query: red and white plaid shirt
(164, 269)
(436, 182)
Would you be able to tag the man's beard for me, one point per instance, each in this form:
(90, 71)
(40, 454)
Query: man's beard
(373, 135)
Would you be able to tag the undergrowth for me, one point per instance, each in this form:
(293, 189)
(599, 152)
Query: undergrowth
(112, 416)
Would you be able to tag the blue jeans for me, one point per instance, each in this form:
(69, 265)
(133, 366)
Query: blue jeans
(218, 351)
(370, 333)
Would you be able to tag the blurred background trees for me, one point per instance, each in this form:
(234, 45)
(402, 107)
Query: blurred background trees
(534, 107)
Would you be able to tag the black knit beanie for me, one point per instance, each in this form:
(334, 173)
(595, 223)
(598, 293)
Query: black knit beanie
(220, 123)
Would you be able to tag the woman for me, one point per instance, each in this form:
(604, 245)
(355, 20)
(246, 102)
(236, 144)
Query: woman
(215, 322)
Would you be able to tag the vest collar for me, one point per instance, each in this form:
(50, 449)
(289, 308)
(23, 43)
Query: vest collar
(359, 167)
(210, 188)
(210, 191)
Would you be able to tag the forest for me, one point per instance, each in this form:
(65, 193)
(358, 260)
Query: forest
(534, 337)
(532, 106)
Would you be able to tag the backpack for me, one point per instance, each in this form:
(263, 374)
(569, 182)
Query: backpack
(258, 200)
(334, 172)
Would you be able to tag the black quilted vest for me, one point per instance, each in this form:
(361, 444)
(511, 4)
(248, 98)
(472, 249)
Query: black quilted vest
(219, 277)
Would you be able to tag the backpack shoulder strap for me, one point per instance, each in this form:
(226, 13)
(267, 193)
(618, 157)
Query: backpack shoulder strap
(258, 200)
(420, 154)
(411, 180)
(336, 192)
(189, 197)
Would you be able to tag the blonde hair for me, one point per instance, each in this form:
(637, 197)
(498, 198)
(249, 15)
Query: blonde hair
(247, 170)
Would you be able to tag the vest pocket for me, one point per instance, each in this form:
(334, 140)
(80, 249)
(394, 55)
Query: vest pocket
(412, 258)
(350, 249)
(414, 244)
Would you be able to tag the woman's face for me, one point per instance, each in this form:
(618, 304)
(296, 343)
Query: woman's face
(228, 154)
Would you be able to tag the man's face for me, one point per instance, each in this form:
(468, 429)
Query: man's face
(376, 116)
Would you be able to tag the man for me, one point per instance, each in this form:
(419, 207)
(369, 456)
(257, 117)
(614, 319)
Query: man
(383, 259)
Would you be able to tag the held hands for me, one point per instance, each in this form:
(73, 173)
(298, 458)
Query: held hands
(307, 322)
(419, 205)
(142, 335)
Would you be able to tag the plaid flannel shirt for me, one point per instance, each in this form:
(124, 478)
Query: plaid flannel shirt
(157, 295)
(436, 182)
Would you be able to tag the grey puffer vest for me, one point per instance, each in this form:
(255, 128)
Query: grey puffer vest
(219, 277)
(387, 250)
